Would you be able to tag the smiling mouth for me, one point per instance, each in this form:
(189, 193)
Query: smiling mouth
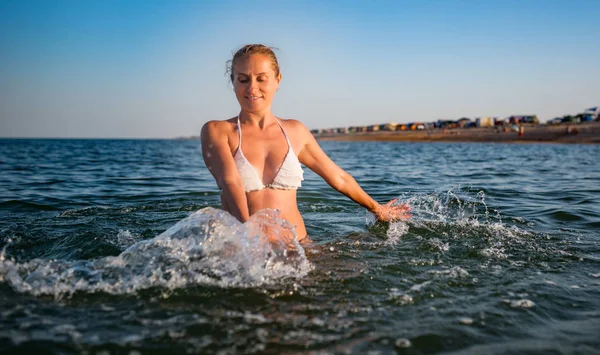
(253, 98)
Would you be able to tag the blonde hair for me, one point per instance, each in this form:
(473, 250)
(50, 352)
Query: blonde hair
(250, 49)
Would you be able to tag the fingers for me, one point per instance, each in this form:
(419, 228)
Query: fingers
(390, 212)
(403, 207)
(391, 202)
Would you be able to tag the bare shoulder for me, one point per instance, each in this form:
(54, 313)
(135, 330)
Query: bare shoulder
(219, 124)
(294, 126)
(215, 128)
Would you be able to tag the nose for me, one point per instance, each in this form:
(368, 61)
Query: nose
(252, 85)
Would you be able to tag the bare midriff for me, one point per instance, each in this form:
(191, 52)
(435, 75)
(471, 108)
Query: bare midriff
(282, 200)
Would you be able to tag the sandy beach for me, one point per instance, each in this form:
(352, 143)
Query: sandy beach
(580, 133)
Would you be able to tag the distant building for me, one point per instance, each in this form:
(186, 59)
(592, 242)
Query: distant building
(499, 121)
(449, 124)
(594, 111)
(373, 128)
(523, 119)
(416, 126)
(463, 122)
(388, 127)
(570, 119)
(484, 122)
(556, 120)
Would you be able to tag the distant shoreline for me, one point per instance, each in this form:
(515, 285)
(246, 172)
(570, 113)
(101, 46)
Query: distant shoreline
(584, 133)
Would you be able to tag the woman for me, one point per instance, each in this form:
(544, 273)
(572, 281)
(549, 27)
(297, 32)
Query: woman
(255, 157)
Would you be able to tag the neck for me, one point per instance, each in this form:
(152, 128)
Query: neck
(259, 119)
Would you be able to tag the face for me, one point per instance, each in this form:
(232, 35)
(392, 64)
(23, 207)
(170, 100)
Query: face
(255, 83)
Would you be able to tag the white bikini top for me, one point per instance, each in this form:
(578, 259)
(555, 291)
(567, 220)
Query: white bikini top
(288, 177)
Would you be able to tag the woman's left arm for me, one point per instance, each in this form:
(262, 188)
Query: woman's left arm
(313, 157)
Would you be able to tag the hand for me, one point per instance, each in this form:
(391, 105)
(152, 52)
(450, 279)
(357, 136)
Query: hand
(268, 225)
(390, 212)
(280, 236)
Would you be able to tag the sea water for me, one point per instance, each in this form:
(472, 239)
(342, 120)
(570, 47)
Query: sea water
(119, 246)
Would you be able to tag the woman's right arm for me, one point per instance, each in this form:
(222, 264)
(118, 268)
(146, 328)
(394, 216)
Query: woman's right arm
(219, 161)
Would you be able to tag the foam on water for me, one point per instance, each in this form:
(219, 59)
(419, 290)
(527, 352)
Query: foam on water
(125, 239)
(395, 231)
(456, 212)
(455, 238)
(455, 205)
(522, 303)
(210, 247)
(463, 214)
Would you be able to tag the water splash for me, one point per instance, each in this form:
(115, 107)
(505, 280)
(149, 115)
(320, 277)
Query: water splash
(210, 247)
(455, 206)
(452, 226)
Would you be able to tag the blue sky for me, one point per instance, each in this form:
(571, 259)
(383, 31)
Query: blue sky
(150, 69)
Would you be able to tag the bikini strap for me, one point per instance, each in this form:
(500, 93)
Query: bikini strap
(284, 134)
(239, 132)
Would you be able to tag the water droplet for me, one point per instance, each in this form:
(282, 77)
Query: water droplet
(524, 303)
(403, 343)
(465, 320)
